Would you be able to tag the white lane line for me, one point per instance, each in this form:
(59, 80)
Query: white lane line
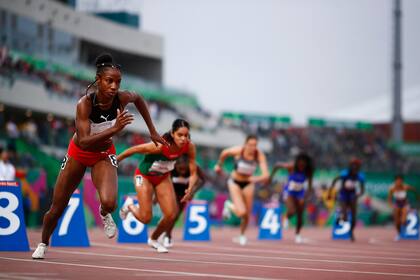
(332, 247)
(205, 262)
(27, 276)
(223, 276)
(262, 257)
(280, 251)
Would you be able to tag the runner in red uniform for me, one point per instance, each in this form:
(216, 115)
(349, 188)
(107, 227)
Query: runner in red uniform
(99, 116)
(153, 177)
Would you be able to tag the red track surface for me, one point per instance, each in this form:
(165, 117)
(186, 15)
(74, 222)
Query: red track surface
(373, 256)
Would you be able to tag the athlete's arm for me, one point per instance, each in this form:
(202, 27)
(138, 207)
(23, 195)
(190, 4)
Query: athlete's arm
(189, 192)
(362, 187)
(264, 169)
(148, 148)
(332, 186)
(87, 141)
(138, 101)
(413, 189)
(277, 167)
(390, 192)
(229, 152)
(202, 178)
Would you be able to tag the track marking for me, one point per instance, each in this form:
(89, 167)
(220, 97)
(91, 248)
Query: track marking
(28, 276)
(241, 249)
(223, 276)
(264, 257)
(203, 262)
(391, 251)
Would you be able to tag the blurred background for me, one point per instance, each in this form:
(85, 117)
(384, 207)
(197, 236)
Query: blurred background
(335, 78)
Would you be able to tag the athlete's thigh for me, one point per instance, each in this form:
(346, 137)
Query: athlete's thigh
(290, 204)
(68, 180)
(144, 191)
(248, 194)
(105, 179)
(236, 195)
(403, 213)
(166, 197)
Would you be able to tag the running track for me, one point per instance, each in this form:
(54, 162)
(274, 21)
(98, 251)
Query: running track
(373, 256)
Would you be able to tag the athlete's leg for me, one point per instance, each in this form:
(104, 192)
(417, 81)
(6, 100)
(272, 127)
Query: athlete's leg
(300, 207)
(291, 206)
(166, 197)
(71, 174)
(353, 211)
(397, 219)
(248, 194)
(239, 206)
(181, 207)
(144, 190)
(105, 179)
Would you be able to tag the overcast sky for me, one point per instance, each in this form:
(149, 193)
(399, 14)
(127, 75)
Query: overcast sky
(294, 57)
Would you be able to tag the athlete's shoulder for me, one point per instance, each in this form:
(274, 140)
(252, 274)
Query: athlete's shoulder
(84, 105)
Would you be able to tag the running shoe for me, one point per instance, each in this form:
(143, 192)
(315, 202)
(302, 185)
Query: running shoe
(156, 245)
(298, 239)
(227, 209)
(397, 238)
(124, 209)
(241, 240)
(40, 251)
(109, 225)
(167, 242)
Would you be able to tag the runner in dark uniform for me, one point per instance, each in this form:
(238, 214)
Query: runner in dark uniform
(299, 181)
(180, 179)
(348, 193)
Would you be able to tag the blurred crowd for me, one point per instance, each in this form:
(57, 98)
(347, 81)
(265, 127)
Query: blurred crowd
(331, 148)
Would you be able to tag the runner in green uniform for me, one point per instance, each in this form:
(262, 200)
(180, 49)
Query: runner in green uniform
(153, 176)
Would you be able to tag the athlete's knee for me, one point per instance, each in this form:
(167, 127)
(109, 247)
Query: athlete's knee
(241, 213)
(144, 217)
(55, 211)
(108, 205)
(171, 215)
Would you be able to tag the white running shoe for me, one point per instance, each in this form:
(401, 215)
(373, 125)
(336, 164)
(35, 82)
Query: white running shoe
(167, 242)
(298, 239)
(241, 240)
(40, 251)
(124, 209)
(156, 245)
(109, 225)
(227, 209)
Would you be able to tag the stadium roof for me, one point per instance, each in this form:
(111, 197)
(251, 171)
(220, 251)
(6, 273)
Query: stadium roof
(379, 109)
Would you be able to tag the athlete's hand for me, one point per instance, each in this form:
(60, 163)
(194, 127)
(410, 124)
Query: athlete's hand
(104, 145)
(218, 169)
(123, 119)
(188, 196)
(156, 138)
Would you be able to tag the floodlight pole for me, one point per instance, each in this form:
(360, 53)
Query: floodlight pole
(397, 121)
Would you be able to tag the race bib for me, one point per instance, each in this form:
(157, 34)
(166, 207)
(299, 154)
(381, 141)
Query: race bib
(162, 167)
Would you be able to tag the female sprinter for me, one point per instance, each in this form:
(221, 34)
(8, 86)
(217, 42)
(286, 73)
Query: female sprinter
(99, 116)
(241, 183)
(398, 193)
(153, 177)
(180, 178)
(300, 174)
(348, 194)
